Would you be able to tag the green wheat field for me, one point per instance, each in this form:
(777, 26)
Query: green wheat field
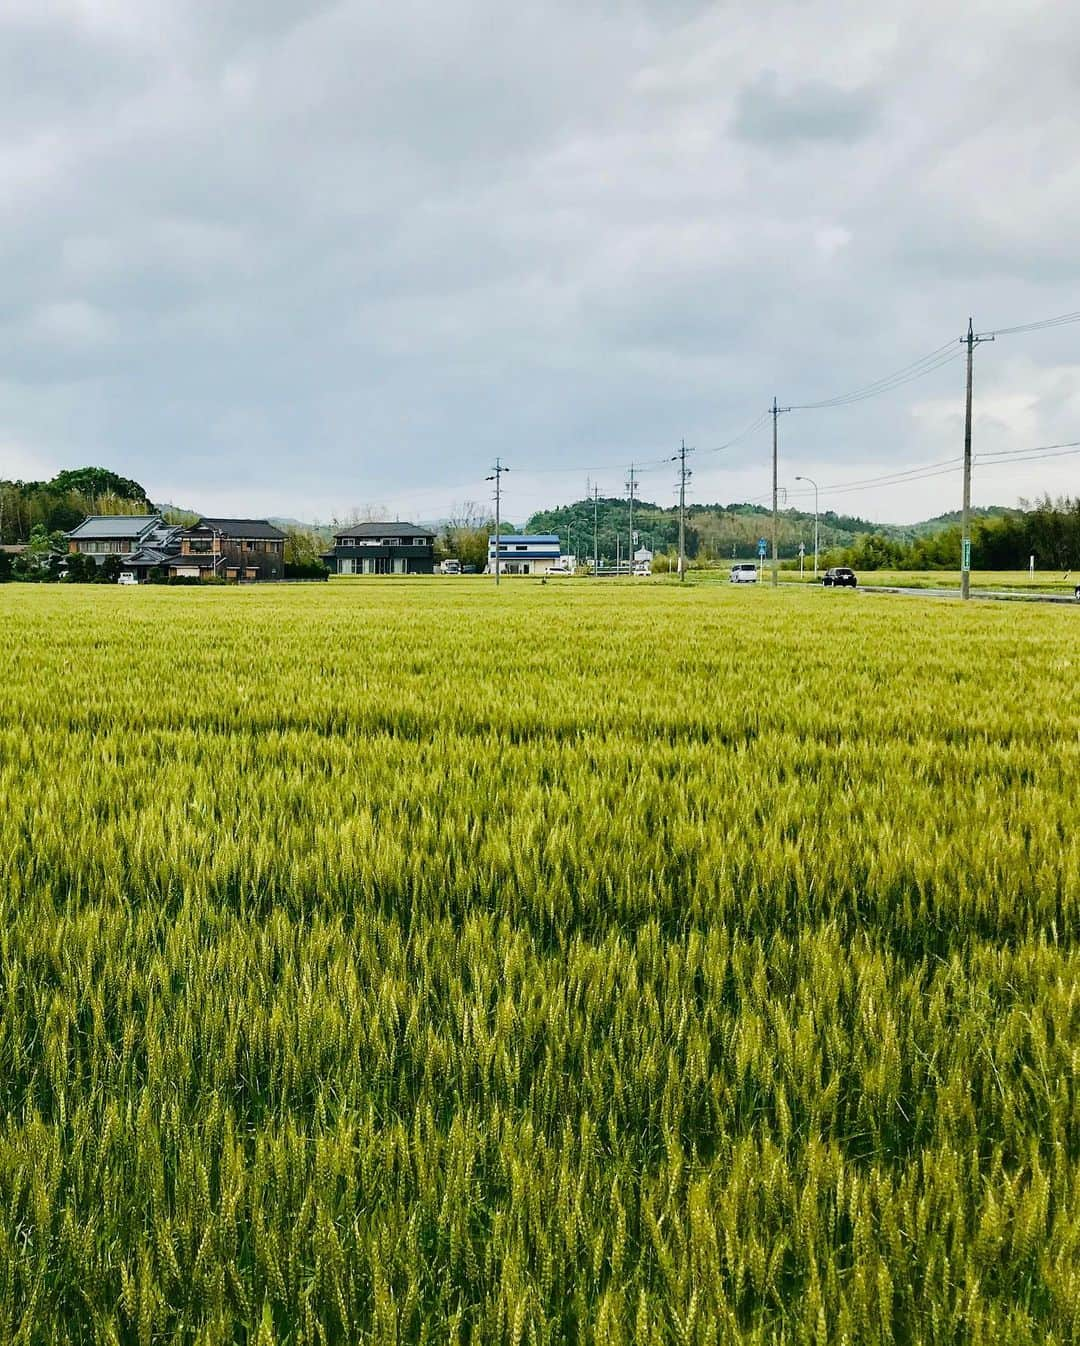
(402, 962)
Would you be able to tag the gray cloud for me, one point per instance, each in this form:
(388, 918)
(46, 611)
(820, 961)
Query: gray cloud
(289, 257)
(767, 114)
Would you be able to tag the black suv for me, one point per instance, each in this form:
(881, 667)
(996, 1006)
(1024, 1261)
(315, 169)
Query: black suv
(839, 576)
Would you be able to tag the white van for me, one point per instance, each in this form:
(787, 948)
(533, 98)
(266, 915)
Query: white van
(745, 572)
(128, 577)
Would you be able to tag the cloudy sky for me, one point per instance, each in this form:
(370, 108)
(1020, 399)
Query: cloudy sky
(303, 256)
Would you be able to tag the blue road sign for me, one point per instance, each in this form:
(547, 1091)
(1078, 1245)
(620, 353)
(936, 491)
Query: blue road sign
(762, 546)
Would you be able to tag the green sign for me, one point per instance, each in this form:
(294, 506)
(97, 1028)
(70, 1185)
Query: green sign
(965, 554)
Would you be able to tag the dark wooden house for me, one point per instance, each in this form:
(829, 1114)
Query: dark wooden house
(232, 549)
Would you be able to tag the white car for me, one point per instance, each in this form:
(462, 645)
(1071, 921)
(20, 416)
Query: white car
(127, 577)
(745, 572)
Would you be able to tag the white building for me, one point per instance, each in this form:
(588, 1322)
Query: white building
(527, 554)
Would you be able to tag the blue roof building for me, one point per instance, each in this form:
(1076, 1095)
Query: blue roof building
(526, 553)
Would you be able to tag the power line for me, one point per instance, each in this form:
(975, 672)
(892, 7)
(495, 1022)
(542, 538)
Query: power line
(925, 471)
(1039, 326)
(1005, 458)
(755, 424)
(928, 363)
(917, 369)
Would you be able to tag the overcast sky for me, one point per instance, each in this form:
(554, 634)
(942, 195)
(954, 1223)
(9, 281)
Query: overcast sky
(295, 257)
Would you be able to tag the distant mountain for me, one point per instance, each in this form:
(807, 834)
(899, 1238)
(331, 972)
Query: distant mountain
(940, 521)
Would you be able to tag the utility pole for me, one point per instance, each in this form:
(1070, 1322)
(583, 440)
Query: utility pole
(630, 487)
(496, 477)
(971, 341)
(595, 551)
(776, 411)
(683, 477)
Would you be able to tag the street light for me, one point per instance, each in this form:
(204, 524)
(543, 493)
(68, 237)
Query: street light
(814, 484)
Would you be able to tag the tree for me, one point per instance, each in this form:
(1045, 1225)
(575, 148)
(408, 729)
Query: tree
(302, 547)
(64, 502)
(95, 482)
(41, 547)
(303, 555)
(110, 569)
(465, 535)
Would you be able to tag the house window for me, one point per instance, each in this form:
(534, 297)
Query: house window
(420, 542)
(347, 566)
(98, 547)
(521, 546)
(391, 542)
(399, 565)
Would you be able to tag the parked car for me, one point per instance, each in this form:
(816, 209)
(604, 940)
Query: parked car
(744, 572)
(127, 577)
(451, 566)
(839, 577)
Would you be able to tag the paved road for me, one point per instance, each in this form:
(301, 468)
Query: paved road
(998, 595)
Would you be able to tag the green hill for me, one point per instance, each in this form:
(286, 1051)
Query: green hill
(718, 532)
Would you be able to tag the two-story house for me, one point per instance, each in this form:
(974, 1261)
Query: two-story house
(233, 549)
(382, 549)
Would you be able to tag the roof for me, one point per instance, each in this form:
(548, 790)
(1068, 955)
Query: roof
(253, 528)
(162, 536)
(115, 525)
(204, 562)
(142, 556)
(390, 529)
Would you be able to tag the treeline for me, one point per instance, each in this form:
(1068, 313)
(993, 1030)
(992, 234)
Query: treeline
(61, 504)
(713, 532)
(1048, 530)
